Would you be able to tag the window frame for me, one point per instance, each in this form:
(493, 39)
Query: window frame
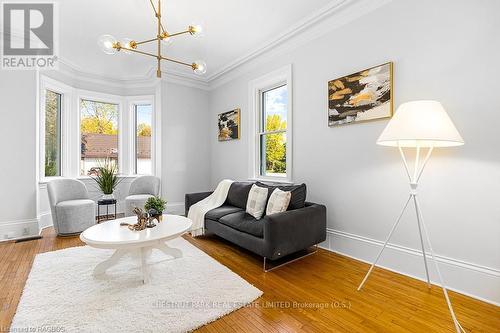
(257, 88)
(66, 93)
(108, 99)
(133, 101)
(70, 128)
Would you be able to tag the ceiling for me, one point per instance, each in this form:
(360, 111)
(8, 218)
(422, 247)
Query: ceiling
(232, 30)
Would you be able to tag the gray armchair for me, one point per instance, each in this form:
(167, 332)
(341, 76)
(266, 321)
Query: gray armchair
(72, 209)
(141, 189)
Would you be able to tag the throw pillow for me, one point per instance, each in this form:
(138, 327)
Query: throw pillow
(278, 202)
(298, 193)
(256, 204)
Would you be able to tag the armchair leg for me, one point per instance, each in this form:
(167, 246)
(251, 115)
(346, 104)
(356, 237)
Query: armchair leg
(267, 266)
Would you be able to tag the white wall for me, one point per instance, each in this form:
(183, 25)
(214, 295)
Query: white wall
(185, 165)
(443, 50)
(186, 124)
(18, 153)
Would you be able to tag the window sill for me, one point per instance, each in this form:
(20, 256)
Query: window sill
(272, 180)
(45, 180)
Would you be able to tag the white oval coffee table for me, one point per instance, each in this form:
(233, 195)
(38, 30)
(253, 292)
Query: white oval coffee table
(110, 235)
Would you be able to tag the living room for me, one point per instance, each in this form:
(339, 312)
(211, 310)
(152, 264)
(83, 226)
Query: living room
(168, 166)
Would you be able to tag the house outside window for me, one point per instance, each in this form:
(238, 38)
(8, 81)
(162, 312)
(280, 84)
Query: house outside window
(98, 135)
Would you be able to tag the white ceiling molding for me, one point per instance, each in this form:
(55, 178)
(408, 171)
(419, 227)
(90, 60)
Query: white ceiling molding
(147, 80)
(320, 23)
(331, 17)
(292, 31)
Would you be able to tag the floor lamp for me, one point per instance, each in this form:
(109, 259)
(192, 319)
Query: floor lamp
(420, 125)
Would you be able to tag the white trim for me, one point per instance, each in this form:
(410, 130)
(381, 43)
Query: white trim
(330, 17)
(120, 101)
(281, 76)
(477, 281)
(132, 101)
(144, 81)
(66, 92)
(157, 142)
(16, 229)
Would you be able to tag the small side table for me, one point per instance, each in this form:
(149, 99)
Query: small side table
(107, 203)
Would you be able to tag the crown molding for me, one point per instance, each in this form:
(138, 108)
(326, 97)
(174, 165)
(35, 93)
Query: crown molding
(332, 16)
(290, 32)
(321, 22)
(147, 80)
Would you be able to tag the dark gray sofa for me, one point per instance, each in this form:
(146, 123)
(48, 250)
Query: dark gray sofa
(273, 236)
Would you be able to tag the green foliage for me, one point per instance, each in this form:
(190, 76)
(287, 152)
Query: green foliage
(143, 129)
(50, 167)
(98, 118)
(51, 133)
(155, 203)
(275, 145)
(107, 178)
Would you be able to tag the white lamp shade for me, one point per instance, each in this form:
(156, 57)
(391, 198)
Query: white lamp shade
(422, 124)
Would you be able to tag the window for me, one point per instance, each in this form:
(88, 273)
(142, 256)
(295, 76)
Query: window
(52, 134)
(143, 114)
(82, 129)
(273, 126)
(98, 135)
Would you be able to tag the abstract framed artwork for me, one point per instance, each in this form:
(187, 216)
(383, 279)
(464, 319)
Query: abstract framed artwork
(229, 125)
(362, 96)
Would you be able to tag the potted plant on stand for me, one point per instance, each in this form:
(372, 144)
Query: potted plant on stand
(107, 178)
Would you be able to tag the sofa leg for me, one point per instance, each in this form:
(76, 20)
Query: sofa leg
(284, 261)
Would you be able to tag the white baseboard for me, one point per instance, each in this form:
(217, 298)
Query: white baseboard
(12, 230)
(470, 279)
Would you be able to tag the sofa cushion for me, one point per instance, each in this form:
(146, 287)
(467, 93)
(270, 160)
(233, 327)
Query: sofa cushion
(244, 222)
(238, 194)
(256, 204)
(278, 201)
(299, 192)
(221, 211)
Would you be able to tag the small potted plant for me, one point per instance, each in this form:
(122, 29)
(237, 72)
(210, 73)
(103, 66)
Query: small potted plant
(155, 207)
(106, 178)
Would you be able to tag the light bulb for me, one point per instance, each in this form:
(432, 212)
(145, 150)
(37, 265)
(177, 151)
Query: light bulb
(107, 44)
(129, 44)
(166, 39)
(196, 30)
(199, 67)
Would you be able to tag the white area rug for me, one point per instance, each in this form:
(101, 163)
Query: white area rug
(61, 295)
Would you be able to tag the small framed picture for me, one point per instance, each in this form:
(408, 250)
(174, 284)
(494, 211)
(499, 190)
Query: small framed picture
(362, 96)
(229, 125)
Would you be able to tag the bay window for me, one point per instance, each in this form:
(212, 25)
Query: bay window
(79, 130)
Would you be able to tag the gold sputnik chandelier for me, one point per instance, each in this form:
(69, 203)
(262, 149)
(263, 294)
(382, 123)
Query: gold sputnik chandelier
(110, 45)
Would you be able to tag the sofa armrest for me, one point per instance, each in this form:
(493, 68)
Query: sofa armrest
(294, 230)
(192, 198)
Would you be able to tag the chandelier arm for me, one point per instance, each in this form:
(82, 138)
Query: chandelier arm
(141, 52)
(156, 14)
(179, 33)
(177, 62)
(146, 41)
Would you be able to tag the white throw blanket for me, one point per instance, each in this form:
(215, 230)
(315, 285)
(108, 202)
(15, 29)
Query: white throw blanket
(198, 210)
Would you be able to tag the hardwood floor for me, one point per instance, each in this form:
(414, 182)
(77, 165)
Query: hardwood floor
(316, 294)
